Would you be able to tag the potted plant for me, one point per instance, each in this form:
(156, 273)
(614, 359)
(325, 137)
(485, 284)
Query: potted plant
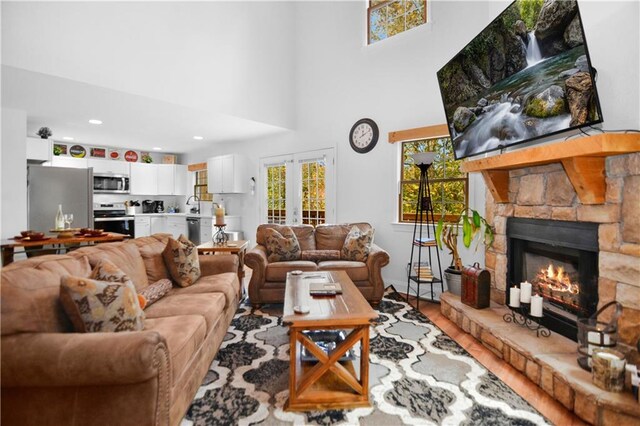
(44, 132)
(146, 158)
(472, 225)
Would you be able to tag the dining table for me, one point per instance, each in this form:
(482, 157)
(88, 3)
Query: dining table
(58, 244)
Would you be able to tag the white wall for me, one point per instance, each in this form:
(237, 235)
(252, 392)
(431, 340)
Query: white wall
(14, 173)
(340, 80)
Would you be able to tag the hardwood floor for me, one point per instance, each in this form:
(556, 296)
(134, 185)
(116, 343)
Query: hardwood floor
(550, 408)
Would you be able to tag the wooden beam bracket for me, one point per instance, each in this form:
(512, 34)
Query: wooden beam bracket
(583, 160)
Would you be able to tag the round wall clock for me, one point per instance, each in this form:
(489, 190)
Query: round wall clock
(364, 135)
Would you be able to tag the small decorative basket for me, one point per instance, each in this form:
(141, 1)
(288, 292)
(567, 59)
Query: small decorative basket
(597, 335)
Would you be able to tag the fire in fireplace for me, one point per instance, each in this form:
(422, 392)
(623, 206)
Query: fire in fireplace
(560, 260)
(558, 286)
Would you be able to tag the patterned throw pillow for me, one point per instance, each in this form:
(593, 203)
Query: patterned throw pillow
(107, 301)
(181, 257)
(156, 291)
(320, 255)
(357, 244)
(283, 246)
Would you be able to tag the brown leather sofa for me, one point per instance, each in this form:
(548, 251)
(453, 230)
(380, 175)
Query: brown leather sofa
(268, 279)
(54, 376)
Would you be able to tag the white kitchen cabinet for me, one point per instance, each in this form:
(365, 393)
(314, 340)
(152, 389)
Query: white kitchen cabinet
(206, 230)
(158, 224)
(165, 176)
(142, 226)
(109, 167)
(181, 178)
(176, 226)
(38, 149)
(76, 163)
(158, 179)
(143, 179)
(227, 174)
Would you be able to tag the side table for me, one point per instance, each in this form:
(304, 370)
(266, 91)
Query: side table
(238, 248)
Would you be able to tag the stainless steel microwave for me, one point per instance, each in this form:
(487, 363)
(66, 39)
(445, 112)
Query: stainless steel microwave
(111, 183)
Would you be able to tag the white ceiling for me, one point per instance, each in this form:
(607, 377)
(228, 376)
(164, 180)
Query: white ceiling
(156, 74)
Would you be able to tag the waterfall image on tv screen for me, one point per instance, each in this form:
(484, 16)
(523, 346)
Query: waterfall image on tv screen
(525, 76)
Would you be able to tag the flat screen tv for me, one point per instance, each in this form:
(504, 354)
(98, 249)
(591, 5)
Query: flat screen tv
(527, 75)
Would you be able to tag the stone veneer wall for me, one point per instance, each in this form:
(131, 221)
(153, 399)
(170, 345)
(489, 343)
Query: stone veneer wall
(544, 192)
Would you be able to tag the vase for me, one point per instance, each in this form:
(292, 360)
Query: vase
(454, 280)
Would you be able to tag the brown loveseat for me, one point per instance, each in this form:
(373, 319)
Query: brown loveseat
(268, 279)
(54, 376)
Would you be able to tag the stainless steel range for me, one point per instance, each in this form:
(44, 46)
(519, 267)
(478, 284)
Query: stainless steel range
(112, 218)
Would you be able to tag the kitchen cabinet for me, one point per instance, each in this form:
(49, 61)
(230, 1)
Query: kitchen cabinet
(206, 230)
(226, 174)
(143, 179)
(165, 176)
(76, 163)
(181, 178)
(158, 179)
(109, 167)
(176, 226)
(158, 224)
(38, 149)
(142, 226)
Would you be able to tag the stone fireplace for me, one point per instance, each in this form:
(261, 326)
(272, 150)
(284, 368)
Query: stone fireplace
(545, 193)
(560, 260)
(566, 216)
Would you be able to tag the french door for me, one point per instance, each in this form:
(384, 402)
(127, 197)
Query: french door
(298, 188)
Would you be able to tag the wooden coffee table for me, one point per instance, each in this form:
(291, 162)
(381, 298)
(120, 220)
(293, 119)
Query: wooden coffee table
(327, 383)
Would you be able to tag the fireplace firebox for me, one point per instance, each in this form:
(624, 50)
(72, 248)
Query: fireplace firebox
(560, 260)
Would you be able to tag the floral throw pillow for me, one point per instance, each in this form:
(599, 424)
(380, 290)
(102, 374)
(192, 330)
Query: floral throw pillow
(181, 257)
(283, 246)
(105, 302)
(357, 244)
(156, 291)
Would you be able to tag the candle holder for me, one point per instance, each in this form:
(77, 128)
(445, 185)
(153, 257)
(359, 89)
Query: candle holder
(220, 237)
(521, 317)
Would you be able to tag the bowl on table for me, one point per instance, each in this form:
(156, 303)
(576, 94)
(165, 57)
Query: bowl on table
(35, 236)
(66, 234)
(26, 233)
(95, 232)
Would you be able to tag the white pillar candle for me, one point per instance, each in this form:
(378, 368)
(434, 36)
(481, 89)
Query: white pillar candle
(525, 292)
(220, 216)
(536, 306)
(514, 297)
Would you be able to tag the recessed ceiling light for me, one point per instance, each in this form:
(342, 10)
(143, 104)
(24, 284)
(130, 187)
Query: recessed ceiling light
(198, 138)
(157, 148)
(67, 138)
(92, 121)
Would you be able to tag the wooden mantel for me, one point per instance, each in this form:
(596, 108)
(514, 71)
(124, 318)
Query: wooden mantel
(583, 160)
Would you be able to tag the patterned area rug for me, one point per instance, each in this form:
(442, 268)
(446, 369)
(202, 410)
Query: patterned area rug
(418, 376)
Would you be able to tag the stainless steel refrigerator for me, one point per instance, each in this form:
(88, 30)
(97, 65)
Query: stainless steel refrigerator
(48, 187)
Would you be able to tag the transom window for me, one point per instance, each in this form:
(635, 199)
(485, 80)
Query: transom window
(387, 18)
(449, 186)
(201, 188)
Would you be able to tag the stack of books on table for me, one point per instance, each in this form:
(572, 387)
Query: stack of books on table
(423, 271)
(425, 242)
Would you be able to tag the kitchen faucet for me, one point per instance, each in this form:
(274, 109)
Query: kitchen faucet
(197, 199)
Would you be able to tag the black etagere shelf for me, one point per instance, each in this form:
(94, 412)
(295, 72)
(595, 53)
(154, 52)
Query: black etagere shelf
(424, 231)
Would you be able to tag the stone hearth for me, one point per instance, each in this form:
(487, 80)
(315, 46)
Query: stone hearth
(550, 362)
(545, 192)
